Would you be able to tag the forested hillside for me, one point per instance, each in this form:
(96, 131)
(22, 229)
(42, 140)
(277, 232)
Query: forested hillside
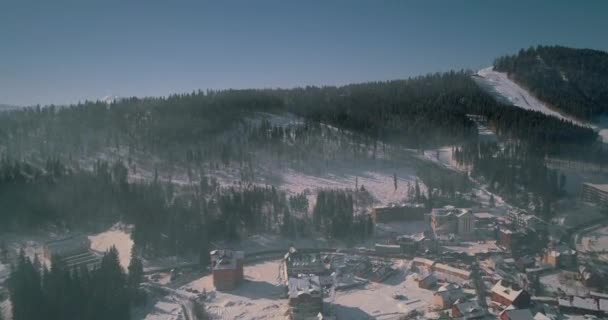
(574, 81)
(419, 112)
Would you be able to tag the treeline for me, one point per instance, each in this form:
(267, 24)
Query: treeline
(521, 178)
(334, 216)
(167, 220)
(431, 110)
(574, 81)
(59, 293)
(419, 112)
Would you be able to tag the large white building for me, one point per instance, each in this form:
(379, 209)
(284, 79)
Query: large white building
(452, 220)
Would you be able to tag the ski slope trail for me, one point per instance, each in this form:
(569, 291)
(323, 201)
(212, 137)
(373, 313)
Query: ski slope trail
(500, 85)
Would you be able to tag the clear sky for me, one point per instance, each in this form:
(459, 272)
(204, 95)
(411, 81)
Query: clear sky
(67, 51)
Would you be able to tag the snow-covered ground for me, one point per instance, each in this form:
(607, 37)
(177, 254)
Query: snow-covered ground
(565, 281)
(118, 236)
(379, 182)
(259, 297)
(376, 301)
(499, 83)
(473, 248)
(596, 240)
(518, 96)
(4, 272)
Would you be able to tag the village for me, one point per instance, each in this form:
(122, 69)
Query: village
(460, 263)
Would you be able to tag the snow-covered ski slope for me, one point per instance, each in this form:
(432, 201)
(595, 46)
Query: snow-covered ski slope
(499, 84)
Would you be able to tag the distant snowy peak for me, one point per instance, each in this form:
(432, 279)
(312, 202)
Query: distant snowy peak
(110, 99)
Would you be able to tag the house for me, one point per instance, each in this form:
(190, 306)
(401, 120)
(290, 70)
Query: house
(466, 224)
(427, 282)
(560, 257)
(592, 276)
(595, 193)
(506, 294)
(410, 244)
(446, 295)
(74, 251)
(227, 268)
(405, 212)
(296, 262)
(423, 264)
(388, 249)
(451, 220)
(451, 274)
(305, 297)
(521, 220)
(65, 247)
(467, 310)
(516, 314)
(580, 305)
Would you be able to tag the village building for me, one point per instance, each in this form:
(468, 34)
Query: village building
(227, 268)
(581, 305)
(447, 295)
(467, 310)
(411, 244)
(65, 247)
(595, 193)
(448, 273)
(305, 296)
(516, 314)
(423, 265)
(506, 294)
(427, 282)
(74, 251)
(592, 276)
(560, 257)
(521, 220)
(451, 220)
(388, 249)
(405, 212)
(296, 262)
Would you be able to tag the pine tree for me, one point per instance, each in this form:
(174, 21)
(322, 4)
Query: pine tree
(395, 180)
(136, 272)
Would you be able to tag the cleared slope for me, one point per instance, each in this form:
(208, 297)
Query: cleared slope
(506, 90)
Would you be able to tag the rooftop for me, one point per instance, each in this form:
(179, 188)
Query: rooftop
(304, 285)
(469, 309)
(444, 267)
(225, 259)
(600, 187)
(579, 303)
(505, 291)
(518, 314)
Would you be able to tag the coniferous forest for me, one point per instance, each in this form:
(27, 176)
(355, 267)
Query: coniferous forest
(574, 81)
(38, 292)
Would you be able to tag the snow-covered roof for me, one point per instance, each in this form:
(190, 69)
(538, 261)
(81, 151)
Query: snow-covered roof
(506, 292)
(425, 261)
(598, 295)
(469, 309)
(600, 187)
(304, 285)
(518, 314)
(579, 303)
(446, 268)
(483, 215)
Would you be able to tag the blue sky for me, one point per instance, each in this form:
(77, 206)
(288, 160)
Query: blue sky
(68, 51)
